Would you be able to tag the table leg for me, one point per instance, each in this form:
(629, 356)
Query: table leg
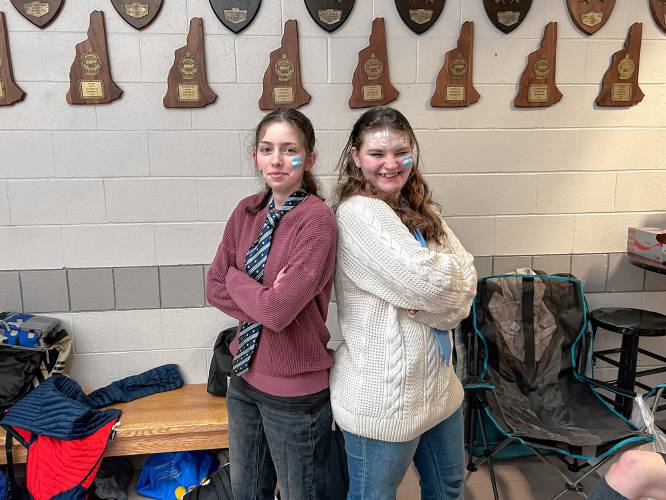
(626, 376)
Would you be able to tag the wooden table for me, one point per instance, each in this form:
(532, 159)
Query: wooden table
(650, 265)
(185, 419)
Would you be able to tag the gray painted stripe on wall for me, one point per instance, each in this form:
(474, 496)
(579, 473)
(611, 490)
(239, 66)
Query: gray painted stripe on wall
(170, 287)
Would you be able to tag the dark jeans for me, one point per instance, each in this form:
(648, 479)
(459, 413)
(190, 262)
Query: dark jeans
(296, 436)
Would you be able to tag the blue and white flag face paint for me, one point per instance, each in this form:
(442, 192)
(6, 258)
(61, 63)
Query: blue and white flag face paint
(408, 161)
(296, 162)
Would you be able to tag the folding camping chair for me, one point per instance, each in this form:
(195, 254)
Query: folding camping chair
(528, 348)
(658, 409)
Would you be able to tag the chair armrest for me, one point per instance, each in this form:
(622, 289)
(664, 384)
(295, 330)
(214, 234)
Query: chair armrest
(604, 385)
(658, 391)
(477, 384)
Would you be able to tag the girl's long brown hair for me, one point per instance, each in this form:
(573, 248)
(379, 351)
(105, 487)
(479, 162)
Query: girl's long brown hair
(415, 206)
(301, 123)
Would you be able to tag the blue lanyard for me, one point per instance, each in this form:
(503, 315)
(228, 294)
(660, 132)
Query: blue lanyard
(441, 336)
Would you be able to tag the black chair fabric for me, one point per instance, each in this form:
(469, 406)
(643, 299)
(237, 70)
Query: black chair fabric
(533, 330)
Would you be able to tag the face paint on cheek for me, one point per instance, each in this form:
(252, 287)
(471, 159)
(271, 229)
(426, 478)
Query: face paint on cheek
(407, 161)
(296, 162)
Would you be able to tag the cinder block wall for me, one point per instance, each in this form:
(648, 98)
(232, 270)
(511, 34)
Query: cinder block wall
(110, 214)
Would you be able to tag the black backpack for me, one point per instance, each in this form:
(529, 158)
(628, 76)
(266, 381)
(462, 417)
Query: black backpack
(220, 365)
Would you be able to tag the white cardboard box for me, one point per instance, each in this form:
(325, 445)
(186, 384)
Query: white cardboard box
(647, 242)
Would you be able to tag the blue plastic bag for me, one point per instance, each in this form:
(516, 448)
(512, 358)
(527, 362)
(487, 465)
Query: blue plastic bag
(170, 476)
(3, 486)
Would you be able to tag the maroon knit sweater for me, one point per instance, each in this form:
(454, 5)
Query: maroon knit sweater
(291, 358)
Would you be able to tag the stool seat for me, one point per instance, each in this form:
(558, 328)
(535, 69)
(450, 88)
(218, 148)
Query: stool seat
(630, 321)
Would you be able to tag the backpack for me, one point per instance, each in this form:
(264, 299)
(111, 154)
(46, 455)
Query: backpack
(221, 363)
(32, 348)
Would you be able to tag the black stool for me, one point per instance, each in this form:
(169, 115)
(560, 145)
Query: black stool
(631, 324)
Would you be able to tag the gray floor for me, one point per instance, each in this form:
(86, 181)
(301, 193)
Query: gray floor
(517, 479)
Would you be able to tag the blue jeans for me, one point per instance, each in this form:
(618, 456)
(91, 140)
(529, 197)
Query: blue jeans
(294, 437)
(376, 468)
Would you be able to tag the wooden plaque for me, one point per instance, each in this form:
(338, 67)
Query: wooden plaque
(187, 86)
(236, 14)
(10, 93)
(38, 12)
(455, 87)
(90, 75)
(282, 79)
(371, 82)
(590, 16)
(138, 13)
(658, 8)
(538, 87)
(620, 84)
(419, 15)
(507, 15)
(329, 14)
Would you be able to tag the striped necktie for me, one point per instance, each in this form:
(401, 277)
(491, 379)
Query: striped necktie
(255, 262)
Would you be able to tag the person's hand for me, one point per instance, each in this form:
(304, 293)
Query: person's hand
(279, 277)
(412, 312)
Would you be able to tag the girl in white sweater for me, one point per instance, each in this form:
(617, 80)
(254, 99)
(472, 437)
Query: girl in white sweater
(403, 281)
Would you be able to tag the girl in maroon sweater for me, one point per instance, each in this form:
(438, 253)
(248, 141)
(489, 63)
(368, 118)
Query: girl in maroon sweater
(273, 272)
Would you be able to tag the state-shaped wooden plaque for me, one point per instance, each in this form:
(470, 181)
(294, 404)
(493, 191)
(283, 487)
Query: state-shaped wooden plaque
(620, 83)
(38, 12)
(138, 13)
(371, 83)
(10, 93)
(187, 86)
(90, 74)
(282, 86)
(538, 87)
(455, 85)
(590, 16)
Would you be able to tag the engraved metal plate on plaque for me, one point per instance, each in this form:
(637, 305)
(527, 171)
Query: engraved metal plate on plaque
(188, 92)
(621, 92)
(283, 95)
(455, 93)
(372, 93)
(91, 89)
(538, 93)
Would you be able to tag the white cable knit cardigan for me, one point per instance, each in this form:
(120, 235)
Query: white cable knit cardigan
(389, 381)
